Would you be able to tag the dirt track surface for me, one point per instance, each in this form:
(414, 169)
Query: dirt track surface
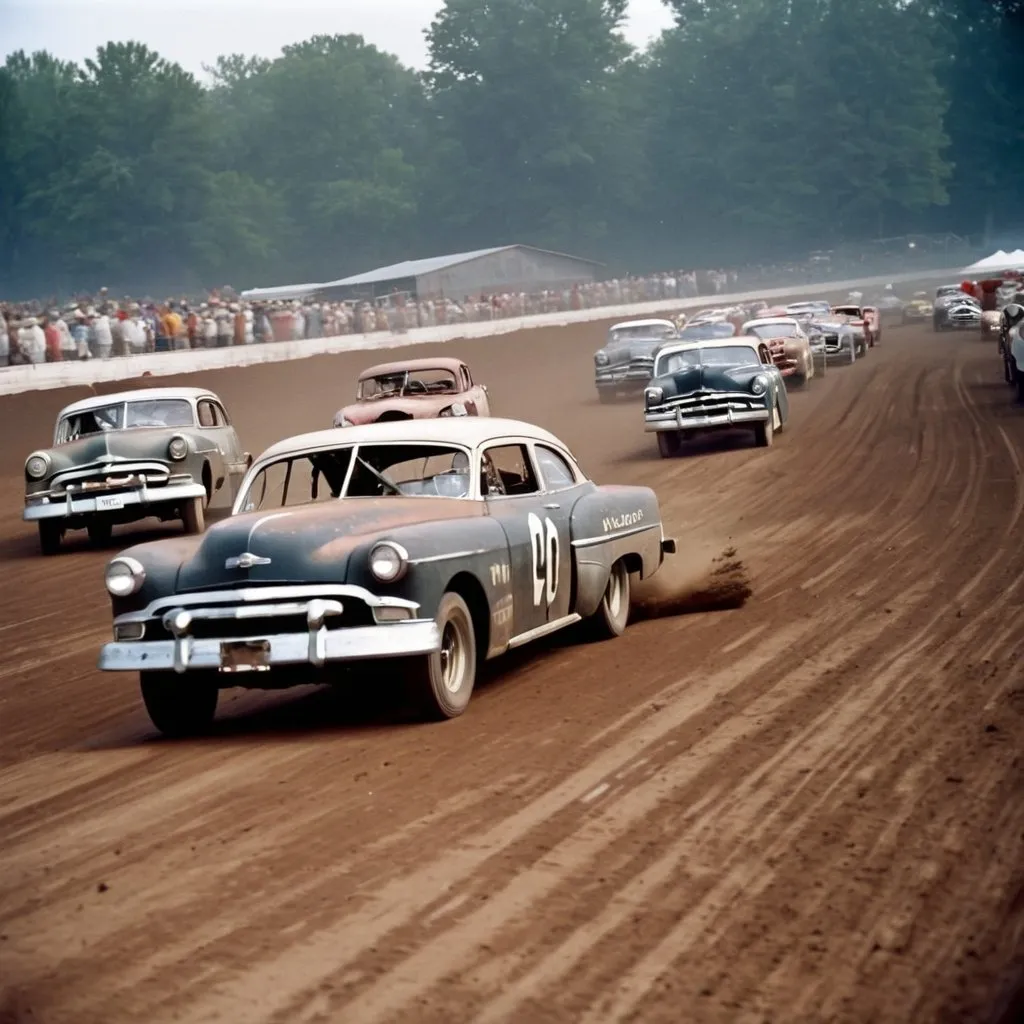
(806, 809)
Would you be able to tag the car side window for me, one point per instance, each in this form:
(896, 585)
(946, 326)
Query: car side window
(221, 415)
(765, 357)
(207, 417)
(506, 471)
(467, 380)
(555, 471)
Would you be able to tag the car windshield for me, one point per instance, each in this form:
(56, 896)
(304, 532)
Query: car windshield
(359, 471)
(408, 383)
(631, 331)
(708, 332)
(157, 412)
(726, 355)
(767, 331)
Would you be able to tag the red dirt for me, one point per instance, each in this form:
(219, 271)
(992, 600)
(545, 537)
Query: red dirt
(806, 808)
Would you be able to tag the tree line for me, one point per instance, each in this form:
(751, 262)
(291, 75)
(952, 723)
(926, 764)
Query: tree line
(753, 130)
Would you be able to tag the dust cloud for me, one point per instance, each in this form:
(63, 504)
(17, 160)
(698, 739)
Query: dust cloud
(700, 577)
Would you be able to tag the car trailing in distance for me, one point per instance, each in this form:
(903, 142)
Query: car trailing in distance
(625, 362)
(788, 344)
(161, 452)
(714, 385)
(439, 543)
(415, 389)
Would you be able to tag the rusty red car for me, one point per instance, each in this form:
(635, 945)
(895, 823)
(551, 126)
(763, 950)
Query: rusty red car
(414, 389)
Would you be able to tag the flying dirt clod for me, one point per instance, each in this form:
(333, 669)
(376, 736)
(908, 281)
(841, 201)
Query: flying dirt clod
(684, 586)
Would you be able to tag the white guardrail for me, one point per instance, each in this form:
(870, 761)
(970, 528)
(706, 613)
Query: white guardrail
(45, 376)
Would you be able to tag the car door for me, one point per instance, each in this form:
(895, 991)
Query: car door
(236, 459)
(476, 394)
(224, 455)
(536, 533)
(562, 488)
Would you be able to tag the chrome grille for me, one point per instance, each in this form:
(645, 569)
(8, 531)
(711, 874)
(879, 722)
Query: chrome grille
(111, 477)
(711, 403)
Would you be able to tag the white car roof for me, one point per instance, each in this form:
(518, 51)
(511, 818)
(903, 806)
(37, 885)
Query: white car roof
(642, 323)
(138, 395)
(686, 346)
(470, 431)
(769, 321)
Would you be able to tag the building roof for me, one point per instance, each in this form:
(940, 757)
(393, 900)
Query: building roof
(284, 291)
(469, 431)
(418, 268)
(139, 395)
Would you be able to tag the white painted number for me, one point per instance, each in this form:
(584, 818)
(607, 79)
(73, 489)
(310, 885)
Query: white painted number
(544, 546)
(499, 573)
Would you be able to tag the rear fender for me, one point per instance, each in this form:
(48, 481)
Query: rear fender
(609, 524)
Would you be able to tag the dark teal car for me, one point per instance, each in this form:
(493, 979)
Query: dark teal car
(703, 386)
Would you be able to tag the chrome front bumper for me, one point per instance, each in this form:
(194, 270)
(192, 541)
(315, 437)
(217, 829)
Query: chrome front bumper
(625, 377)
(316, 648)
(70, 506)
(677, 421)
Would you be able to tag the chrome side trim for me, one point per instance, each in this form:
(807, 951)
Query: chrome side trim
(589, 542)
(548, 627)
(448, 557)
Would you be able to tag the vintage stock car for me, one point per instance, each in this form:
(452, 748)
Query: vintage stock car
(788, 344)
(956, 312)
(918, 309)
(702, 386)
(161, 452)
(625, 362)
(864, 317)
(836, 339)
(439, 543)
(414, 389)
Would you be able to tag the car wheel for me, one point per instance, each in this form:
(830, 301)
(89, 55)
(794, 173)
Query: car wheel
(193, 515)
(1019, 381)
(442, 683)
(609, 621)
(178, 705)
(799, 381)
(51, 533)
(100, 532)
(669, 443)
(764, 433)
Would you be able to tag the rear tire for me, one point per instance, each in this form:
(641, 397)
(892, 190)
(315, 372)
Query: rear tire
(612, 615)
(100, 533)
(51, 533)
(178, 705)
(441, 684)
(669, 443)
(193, 515)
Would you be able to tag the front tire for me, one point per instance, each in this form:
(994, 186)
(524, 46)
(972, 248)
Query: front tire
(669, 443)
(51, 533)
(442, 683)
(609, 621)
(178, 705)
(193, 515)
(764, 433)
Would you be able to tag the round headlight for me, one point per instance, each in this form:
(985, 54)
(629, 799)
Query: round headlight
(36, 466)
(178, 448)
(759, 385)
(388, 561)
(601, 359)
(124, 577)
(654, 395)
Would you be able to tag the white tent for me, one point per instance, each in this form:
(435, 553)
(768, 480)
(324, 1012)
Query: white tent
(997, 262)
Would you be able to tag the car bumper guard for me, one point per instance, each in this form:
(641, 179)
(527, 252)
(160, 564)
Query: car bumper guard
(678, 421)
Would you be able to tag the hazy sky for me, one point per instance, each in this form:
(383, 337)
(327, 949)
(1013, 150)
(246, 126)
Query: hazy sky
(194, 33)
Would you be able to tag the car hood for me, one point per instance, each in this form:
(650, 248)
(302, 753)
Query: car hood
(115, 446)
(309, 543)
(633, 348)
(709, 378)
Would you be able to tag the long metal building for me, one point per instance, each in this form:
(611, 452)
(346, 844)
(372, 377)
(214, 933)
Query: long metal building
(507, 268)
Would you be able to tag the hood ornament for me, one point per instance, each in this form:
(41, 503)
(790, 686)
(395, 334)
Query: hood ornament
(246, 560)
